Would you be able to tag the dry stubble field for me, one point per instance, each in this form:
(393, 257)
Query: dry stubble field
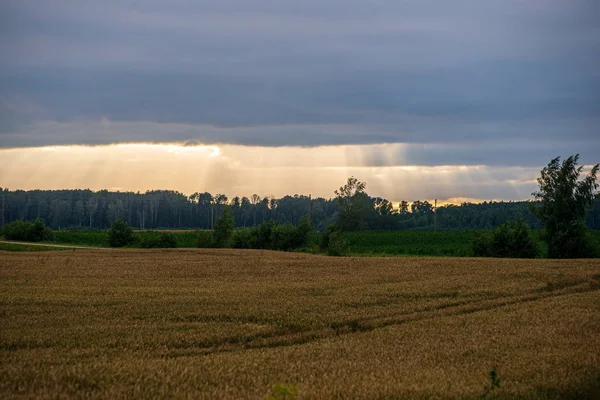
(231, 324)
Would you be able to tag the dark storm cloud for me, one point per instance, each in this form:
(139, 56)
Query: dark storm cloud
(472, 82)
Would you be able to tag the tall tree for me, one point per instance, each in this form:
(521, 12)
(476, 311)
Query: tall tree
(246, 208)
(254, 199)
(353, 204)
(403, 207)
(114, 211)
(60, 213)
(216, 202)
(563, 199)
(205, 201)
(79, 212)
(91, 207)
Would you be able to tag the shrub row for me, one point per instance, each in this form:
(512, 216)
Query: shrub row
(513, 239)
(267, 235)
(121, 235)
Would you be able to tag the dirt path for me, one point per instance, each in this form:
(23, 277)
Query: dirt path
(63, 246)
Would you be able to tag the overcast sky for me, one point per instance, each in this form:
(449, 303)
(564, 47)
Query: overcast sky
(501, 84)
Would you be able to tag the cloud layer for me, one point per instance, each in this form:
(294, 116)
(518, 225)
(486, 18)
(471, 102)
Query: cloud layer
(301, 73)
(420, 98)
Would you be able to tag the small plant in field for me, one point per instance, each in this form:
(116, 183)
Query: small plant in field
(494, 383)
(120, 234)
(281, 391)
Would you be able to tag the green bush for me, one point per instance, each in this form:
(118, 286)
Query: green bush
(167, 240)
(337, 246)
(204, 239)
(38, 232)
(284, 237)
(17, 230)
(120, 234)
(262, 235)
(512, 239)
(482, 244)
(304, 230)
(574, 241)
(332, 242)
(163, 241)
(282, 391)
(242, 239)
(28, 231)
(148, 243)
(270, 235)
(325, 236)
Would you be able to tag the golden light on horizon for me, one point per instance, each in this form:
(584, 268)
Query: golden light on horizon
(244, 170)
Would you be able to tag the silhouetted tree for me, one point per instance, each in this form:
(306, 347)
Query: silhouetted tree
(563, 199)
(353, 204)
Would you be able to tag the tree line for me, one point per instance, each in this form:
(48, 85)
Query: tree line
(167, 209)
(563, 203)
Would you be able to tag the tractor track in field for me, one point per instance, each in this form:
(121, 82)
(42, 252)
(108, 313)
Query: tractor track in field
(283, 336)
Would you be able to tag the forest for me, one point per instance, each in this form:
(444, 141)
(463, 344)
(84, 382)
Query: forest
(167, 209)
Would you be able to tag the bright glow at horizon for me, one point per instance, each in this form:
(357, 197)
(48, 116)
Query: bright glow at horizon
(244, 170)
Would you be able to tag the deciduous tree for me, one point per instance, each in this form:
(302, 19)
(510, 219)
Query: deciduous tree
(563, 198)
(353, 204)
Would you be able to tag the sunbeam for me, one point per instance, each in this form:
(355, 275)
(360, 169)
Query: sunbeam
(243, 170)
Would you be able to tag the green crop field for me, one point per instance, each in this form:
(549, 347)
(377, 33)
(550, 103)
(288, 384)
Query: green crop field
(94, 238)
(365, 243)
(229, 324)
(426, 243)
(449, 243)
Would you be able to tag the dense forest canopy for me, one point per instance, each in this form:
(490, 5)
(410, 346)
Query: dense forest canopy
(69, 209)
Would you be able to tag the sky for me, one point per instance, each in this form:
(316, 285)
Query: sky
(421, 99)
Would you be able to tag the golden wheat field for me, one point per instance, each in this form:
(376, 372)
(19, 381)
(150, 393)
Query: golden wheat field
(234, 324)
